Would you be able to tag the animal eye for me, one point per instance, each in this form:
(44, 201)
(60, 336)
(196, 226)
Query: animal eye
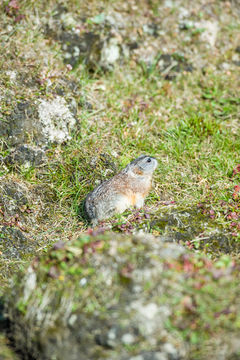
(149, 160)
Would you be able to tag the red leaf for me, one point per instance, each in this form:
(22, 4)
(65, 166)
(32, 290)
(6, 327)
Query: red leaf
(170, 202)
(188, 266)
(13, 4)
(236, 192)
(237, 188)
(232, 215)
(236, 170)
(19, 18)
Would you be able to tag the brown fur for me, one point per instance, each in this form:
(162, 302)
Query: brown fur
(138, 171)
(127, 188)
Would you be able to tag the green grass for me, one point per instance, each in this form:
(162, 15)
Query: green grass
(196, 147)
(190, 124)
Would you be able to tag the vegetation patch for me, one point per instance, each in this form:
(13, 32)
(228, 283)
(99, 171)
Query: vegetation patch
(130, 78)
(100, 278)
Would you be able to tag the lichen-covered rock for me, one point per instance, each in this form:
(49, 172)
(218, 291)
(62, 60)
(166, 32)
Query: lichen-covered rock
(122, 297)
(195, 228)
(22, 206)
(13, 197)
(86, 300)
(92, 49)
(14, 244)
(209, 31)
(78, 48)
(25, 155)
(170, 65)
(44, 121)
(101, 45)
(56, 120)
(112, 51)
(21, 123)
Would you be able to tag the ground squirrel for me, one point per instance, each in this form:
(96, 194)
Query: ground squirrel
(128, 188)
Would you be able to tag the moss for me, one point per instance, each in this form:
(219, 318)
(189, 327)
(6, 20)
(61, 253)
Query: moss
(99, 275)
(193, 228)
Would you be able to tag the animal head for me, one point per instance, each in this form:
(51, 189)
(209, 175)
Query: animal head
(143, 165)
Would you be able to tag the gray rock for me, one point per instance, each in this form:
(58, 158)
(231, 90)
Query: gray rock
(171, 64)
(194, 226)
(25, 155)
(92, 50)
(12, 76)
(186, 25)
(13, 196)
(56, 120)
(79, 302)
(110, 53)
(210, 31)
(14, 244)
(151, 355)
(78, 48)
(171, 351)
(151, 29)
(128, 339)
(44, 121)
(236, 59)
(19, 123)
(102, 47)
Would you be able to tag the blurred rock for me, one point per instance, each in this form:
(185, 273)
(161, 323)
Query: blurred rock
(12, 76)
(110, 297)
(151, 29)
(110, 53)
(101, 47)
(210, 31)
(67, 324)
(20, 204)
(92, 49)
(78, 48)
(171, 64)
(236, 58)
(186, 25)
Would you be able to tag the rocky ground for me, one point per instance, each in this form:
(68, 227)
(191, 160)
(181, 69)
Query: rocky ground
(84, 89)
